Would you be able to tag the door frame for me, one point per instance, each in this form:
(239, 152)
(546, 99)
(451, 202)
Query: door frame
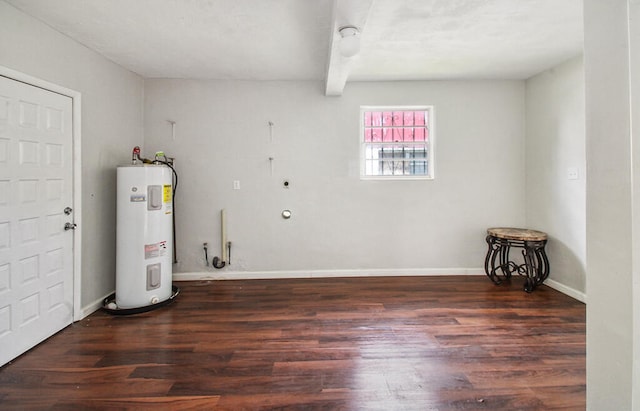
(76, 131)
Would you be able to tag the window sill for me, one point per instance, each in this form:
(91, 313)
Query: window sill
(396, 178)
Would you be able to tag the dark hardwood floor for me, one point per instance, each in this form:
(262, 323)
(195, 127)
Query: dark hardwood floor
(407, 343)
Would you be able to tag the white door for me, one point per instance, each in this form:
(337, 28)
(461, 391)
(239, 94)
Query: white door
(36, 184)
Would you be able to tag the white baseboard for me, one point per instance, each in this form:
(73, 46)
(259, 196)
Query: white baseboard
(571, 292)
(92, 307)
(385, 272)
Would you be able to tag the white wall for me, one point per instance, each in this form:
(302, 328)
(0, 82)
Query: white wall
(634, 69)
(555, 142)
(339, 222)
(613, 248)
(111, 125)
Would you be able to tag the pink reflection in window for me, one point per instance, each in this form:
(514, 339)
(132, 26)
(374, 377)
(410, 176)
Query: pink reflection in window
(418, 134)
(419, 118)
(367, 119)
(376, 134)
(367, 134)
(408, 118)
(388, 134)
(387, 118)
(397, 118)
(408, 134)
(376, 118)
(397, 134)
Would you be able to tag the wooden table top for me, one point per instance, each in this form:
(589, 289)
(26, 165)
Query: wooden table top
(521, 234)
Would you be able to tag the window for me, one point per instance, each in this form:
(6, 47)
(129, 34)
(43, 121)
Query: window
(396, 142)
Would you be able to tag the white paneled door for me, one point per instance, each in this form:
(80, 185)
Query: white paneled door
(36, 194)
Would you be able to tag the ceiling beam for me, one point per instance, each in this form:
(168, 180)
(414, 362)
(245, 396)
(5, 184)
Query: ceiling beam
(345, 13)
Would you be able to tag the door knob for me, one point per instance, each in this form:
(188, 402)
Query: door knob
(67, 210)
(69, 226)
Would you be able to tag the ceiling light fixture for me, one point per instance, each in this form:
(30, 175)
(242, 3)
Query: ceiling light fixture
(350, 41)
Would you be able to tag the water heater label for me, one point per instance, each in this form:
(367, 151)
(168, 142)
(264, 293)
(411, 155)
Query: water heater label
(138, 198)
(166, 197)
(155, 250)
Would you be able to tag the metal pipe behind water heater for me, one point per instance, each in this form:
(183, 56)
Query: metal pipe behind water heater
(144, 237)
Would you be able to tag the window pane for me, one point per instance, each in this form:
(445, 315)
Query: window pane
(420, 152)
(387, 134)
(419, 118)
(376, 118)
(398, 168)
(383, 169)
(389, 167)
(387, 118)
(408, 134)
(367, 119)
(417, 167)
(367, 134)
(397, 134)
(408, 118)
(397, 118)
(372, 168)
(376, 134)
(418, 134)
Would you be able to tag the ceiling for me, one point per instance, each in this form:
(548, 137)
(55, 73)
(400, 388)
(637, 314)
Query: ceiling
(299, 40)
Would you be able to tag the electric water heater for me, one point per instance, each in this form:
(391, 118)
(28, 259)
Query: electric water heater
(144, 242)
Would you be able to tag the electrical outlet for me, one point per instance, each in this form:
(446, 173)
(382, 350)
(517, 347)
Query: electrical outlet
(236, 184)
(572, 173)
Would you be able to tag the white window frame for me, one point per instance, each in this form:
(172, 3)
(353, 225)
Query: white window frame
(430, 143)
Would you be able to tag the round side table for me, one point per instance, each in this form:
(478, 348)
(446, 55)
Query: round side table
(536, 265)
